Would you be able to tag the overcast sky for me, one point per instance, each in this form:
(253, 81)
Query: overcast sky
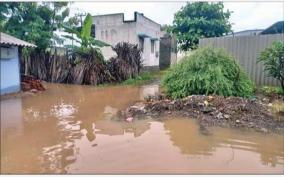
(246, 15)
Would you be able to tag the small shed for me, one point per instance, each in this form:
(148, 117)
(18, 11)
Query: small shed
(9, 63)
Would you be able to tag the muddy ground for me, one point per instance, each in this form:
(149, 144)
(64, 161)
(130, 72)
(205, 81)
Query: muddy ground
(211, 111)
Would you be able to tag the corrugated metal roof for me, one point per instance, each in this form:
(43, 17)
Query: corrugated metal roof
(276, 28)
(10, 40)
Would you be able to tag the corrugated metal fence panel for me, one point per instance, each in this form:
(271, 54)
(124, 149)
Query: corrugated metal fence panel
(246, 50)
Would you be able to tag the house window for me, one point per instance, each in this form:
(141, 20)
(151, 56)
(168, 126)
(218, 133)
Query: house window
(152, 46)
(141, 43)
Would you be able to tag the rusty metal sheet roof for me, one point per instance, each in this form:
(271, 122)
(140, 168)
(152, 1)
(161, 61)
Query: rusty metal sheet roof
(10, 40)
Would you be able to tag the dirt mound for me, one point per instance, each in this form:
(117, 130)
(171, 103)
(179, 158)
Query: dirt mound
(210, 111)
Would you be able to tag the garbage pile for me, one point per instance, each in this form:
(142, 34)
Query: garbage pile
(209, 111)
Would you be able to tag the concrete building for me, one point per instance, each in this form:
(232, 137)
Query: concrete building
(252, 32)
(113, 28)
(275, 28)
(9, 63)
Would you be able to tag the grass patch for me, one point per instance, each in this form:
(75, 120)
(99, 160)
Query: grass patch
(277, 108)
(143, 78)
(271, 90)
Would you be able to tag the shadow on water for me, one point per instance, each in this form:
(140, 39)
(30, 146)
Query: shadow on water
(68, 129)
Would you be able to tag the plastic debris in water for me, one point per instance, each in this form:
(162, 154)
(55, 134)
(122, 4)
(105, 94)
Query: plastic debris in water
(206, 103)
(129, 119)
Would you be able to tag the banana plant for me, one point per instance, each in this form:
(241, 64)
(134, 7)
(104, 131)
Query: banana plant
(83, 35)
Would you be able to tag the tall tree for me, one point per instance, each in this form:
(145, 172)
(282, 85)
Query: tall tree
(197, 20)
(34, 22)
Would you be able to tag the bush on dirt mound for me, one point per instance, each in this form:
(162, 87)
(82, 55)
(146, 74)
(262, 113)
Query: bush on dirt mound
(207, 71)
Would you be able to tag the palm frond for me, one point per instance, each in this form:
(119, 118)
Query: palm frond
(98, 43)
(71, 37)
(71, 30)
(86, 28)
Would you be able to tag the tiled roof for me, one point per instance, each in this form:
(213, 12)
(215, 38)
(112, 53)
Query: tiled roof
(10, 40)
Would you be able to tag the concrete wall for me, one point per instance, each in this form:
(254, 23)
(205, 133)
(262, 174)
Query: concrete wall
(113, 29)
(147, 27)
(246, 50)
(168, 51)
(10, 71)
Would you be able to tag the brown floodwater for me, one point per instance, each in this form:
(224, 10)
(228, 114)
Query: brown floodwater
(69, 129)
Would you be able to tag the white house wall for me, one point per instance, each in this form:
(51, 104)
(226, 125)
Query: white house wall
(112, 29)
(151, 29)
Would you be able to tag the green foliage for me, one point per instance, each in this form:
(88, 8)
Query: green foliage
(33, 22)
(207, 71)
(200, 20)
(89, 53)
(166, 28)
(271, 90)
(86, 29)
(84, 38)
(4, 10)
(89, 46)
(140, 79)
(273, 59)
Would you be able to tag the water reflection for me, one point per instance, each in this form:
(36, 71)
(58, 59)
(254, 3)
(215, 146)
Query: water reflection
(69, 129)
(63, 110)
(185, 135)
(14, 123)
(50, 122)
(149, 90)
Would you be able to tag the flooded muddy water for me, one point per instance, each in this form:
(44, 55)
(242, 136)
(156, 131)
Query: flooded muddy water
(68, 129)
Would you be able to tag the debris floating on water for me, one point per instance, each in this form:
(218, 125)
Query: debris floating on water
(129, 119)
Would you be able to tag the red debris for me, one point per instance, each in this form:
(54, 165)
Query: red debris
(29, 83)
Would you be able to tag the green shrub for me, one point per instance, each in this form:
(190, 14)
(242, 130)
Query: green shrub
(273, 58)
(271, 90)
(140, 79)
(207, 71)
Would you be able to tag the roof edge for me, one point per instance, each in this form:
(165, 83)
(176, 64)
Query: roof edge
(128, 21)
(7, 39)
